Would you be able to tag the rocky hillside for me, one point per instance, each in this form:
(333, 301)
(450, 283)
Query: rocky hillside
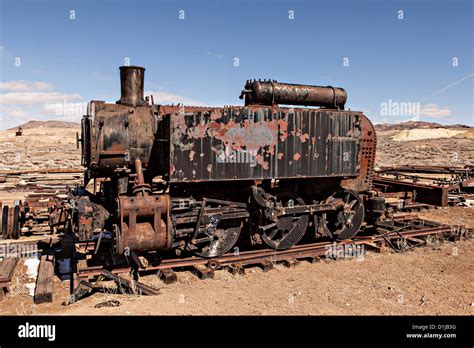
(47, 124)
(415, 124)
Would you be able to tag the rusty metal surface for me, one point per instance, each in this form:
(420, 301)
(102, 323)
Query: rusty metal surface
(273, 93)
(193, 144)
(132, 79)
(464, 170)
(262, 142)
(366, 159)
(119, 134)
(429, 194)
(144, 218)
(91, 217)
(425, 184)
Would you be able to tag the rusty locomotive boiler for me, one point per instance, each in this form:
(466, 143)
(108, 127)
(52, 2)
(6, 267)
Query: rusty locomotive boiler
(206, 179)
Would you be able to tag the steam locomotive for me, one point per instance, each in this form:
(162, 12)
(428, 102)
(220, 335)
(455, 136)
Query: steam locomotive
(203, 180)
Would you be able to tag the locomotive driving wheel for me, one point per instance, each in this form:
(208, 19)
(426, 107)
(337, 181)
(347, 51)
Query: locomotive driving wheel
(345, 222)
(216, 238)
(286, 231)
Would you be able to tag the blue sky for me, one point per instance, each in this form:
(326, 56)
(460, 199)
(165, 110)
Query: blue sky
(425, 57)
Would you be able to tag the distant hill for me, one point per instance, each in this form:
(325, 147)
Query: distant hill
(382, 126)
(415, 124)
(47, 124)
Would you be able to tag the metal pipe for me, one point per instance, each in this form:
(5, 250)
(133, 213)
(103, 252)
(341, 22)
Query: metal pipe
(273, 93)
(139, 172)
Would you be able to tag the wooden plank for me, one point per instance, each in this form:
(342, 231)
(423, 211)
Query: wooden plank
(44, 281)
(168, 276)
(376, 246)
(51, 239)
(7, 268)
(203, 272)
(265, 265)
(42, 171)
(290, 263)
(236, 268)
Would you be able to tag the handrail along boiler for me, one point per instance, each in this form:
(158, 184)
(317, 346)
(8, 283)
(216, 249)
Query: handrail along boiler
(205, 179)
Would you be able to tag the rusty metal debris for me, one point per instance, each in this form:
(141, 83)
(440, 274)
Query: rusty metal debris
(432, 185)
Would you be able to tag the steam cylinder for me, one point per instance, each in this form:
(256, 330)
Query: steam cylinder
(273, 93)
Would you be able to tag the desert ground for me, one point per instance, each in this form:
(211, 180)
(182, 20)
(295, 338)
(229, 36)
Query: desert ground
(435, 279)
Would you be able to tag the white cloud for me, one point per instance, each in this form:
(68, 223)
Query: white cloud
(433, 110)
(14, 112)
(25, 86)
(217, 55)
(12, 116)
(65, 109)
(169, 98)
(26, 101)
(28, 98)
(49, 109)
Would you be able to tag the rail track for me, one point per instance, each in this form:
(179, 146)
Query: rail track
(408, 232)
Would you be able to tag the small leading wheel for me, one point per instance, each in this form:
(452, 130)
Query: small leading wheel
(345, 222)
(286, 231)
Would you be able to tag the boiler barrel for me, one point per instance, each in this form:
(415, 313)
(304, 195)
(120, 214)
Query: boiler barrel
(272, 93)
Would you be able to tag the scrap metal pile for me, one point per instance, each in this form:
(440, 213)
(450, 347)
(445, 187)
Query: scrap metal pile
(410, 187)
(44, 190)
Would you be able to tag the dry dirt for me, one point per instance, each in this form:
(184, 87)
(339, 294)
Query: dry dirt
(453, 151)
(431, 280)
(39, 148)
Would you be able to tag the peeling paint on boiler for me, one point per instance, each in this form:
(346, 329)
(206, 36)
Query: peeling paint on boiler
(276, 143)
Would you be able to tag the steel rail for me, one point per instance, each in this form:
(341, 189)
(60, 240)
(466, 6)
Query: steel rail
(250, 257)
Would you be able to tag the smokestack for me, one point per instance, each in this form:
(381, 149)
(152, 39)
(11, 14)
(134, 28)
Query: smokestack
(132, 79)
